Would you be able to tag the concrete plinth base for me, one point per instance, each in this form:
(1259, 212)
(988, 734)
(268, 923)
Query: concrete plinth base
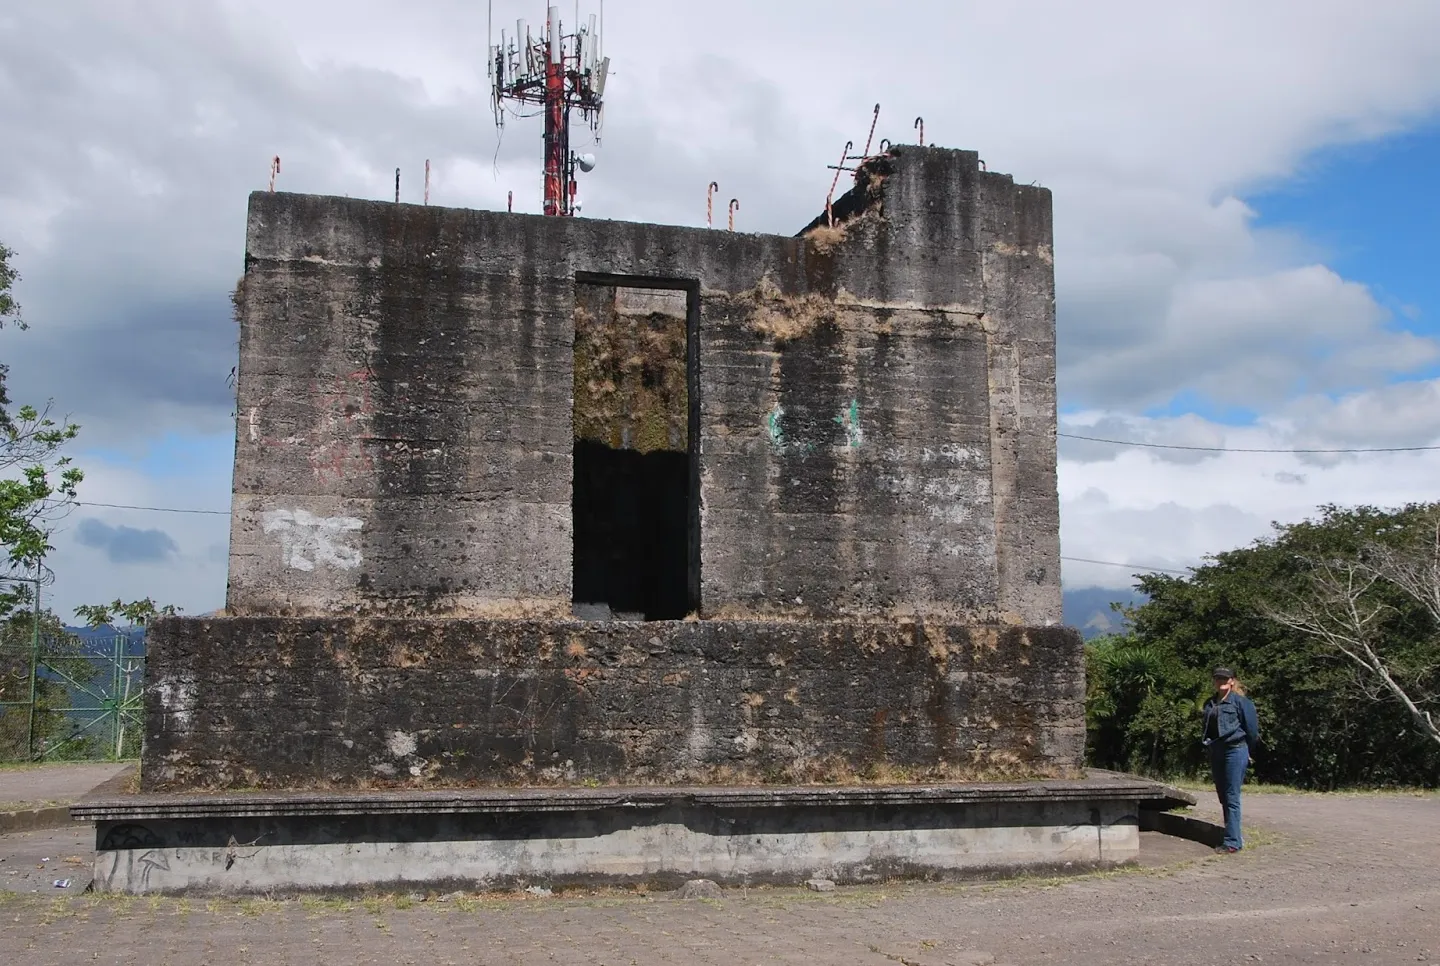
(491, 839)
(273, 702)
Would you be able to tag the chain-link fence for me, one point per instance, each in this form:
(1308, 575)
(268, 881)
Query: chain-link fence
(69, 695)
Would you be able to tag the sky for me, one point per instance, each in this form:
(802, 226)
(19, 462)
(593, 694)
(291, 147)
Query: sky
(1244, 212)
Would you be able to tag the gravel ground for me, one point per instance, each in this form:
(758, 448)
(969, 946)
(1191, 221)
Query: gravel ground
(1328, 879)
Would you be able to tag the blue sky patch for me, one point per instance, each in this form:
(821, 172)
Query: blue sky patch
(174, 454)
(1373, 210)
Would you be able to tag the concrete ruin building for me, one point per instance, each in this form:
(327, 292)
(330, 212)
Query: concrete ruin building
(527, 501)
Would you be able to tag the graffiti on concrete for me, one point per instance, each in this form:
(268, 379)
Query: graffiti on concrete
(308, 541)
(772, 425)
(129, 837)
(849, 418)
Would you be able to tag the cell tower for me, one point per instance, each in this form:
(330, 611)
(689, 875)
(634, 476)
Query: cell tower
(559, 73)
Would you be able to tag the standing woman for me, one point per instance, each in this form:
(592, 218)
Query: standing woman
(1231, 732)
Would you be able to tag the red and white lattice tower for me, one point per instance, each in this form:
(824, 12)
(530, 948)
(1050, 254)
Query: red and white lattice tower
(559, 73)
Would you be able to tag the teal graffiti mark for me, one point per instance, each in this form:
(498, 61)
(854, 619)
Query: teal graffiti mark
(850, 419)
(772, 423)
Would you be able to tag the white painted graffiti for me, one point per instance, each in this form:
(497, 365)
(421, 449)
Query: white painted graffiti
(307, 540)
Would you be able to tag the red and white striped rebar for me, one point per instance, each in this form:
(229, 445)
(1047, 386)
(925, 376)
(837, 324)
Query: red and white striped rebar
(427, 181)
(734, 207)
(274, 170)
(829, 198)
(875, 119)
(710, 204)
(920, 126)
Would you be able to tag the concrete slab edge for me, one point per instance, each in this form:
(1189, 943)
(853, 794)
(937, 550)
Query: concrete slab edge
(29, 819)
(533, 800)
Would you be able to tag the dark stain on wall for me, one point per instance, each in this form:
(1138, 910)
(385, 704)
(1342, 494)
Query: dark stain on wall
(447, 701)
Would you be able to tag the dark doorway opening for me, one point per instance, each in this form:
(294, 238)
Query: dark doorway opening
(635, 514)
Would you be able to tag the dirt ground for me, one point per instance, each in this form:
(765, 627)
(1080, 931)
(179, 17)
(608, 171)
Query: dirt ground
(40, 785)
(1328, 879)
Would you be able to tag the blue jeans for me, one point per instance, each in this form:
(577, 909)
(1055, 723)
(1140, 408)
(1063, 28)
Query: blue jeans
(1227, 767)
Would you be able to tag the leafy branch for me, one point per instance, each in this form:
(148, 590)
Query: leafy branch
(37, 485)
(137, 612)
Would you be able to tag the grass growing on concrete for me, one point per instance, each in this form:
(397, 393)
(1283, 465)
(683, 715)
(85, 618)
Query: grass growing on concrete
(630, 379)
(825, 238)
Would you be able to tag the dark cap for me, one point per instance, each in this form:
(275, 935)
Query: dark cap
(1222, 673)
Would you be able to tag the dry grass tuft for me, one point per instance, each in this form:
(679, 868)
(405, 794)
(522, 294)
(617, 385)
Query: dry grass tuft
(826, 238)
(785, 318)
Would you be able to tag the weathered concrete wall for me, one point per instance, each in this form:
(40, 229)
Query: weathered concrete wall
(290, 702)
(658, 846)
(875, 421)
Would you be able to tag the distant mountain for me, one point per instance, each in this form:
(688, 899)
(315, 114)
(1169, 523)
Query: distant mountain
(1088, 609)
(101, 640)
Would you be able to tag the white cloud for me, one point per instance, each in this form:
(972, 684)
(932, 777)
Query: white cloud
(137, 129)
(1168, 509)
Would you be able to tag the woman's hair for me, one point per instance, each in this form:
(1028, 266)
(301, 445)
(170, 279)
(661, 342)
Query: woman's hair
(1236, 687)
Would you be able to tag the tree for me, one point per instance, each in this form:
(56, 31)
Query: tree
(9, 315)
(1319, 726)
(1365, 607)
(1142, 706)
(37, 484)
(138, 612)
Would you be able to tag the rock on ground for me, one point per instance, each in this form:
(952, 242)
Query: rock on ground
(699, 889)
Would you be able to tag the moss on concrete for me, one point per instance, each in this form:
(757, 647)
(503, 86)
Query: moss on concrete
(630, 376)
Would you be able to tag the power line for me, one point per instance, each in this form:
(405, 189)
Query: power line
(226, 513)
(155, 509)
(1114, 563)
(1239, 449)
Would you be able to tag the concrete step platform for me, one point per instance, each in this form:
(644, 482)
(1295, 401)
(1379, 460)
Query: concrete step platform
(489, 838)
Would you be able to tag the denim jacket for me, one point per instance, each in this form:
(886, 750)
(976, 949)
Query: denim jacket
(1229, 722)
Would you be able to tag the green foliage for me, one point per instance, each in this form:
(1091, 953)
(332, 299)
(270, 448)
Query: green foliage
(59, 654)
(137, 613)
(9, 315)
(1322, 726)
(1142, 708)
(9, 308)
(37, 483)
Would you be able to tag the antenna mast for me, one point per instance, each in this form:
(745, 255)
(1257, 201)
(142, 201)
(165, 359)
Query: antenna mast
(559, 73)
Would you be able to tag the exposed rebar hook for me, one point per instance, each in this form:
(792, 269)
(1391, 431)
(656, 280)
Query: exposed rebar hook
(427, 181)
(871, 136)
(982, 164)
(885, 145)
(920, 126)
(274, 170)
(397, 186)
(829, 198)
(710, 204)
(734, 207)
(510, 201)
